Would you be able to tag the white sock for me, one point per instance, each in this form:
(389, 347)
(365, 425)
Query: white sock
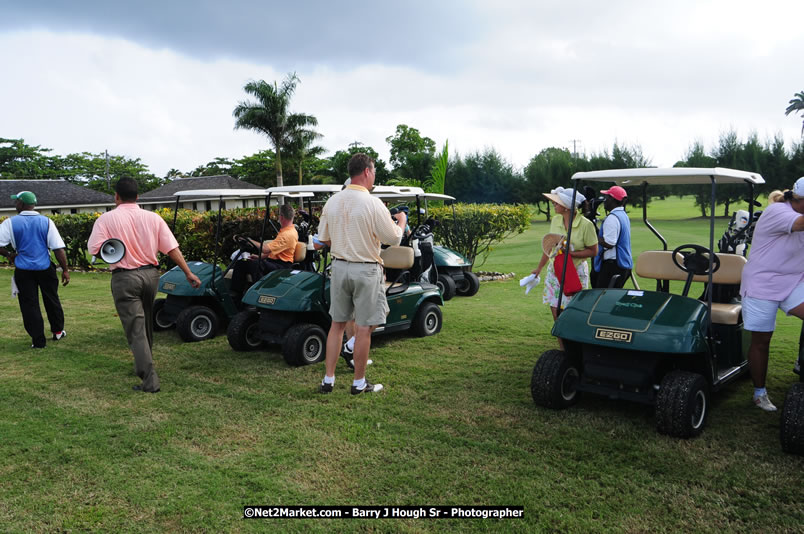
(359, 384)
(758, 392)
(351, 343)
(328, 380)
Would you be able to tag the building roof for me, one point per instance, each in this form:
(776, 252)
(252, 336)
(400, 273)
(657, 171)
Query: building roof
(195, 182)
(56, 193)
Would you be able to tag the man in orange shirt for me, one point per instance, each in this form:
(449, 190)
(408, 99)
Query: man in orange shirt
(276, 254)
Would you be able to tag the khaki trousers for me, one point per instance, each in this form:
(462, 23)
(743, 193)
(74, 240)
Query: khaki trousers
(134, 293)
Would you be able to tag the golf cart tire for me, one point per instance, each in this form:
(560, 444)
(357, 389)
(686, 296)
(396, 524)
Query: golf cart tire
(159, 324)
(244, 331)
(468, 286)
(791, 430)
(305, 344)
(446, 285)
(428, 320)
(555, 380)
(682, 404)
(197, 323)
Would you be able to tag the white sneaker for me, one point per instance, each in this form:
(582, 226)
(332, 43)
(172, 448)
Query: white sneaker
(59, 335)
(764, 402)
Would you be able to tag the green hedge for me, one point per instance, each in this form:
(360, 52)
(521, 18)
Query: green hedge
(475, 228)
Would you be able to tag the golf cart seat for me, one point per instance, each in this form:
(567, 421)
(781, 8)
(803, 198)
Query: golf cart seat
(300, 254)
(658, 265)
(397, 258)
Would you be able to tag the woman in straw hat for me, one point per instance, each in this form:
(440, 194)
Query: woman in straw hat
(583, 245)
(773, 279)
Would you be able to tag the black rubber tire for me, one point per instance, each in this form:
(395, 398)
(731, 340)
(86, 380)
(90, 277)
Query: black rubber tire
(682, 404)
(428, 320)
(305, 344)
(244, 331)
(554, 381)
(159, 305)
(446, 285)
(468, 286)
(791, 430)
(197, 323)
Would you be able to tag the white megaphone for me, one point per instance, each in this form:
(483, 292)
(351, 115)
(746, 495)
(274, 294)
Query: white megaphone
(112, 251)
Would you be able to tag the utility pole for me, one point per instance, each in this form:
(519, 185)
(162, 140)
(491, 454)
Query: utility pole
(575, 143)
(108, 181)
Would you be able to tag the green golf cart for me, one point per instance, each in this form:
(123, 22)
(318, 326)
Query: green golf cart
(197, 313)
(658, 347)
(291, 307)
(792, 425)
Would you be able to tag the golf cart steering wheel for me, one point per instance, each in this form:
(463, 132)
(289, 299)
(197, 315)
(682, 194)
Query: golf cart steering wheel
(696, 259)
(244, 244)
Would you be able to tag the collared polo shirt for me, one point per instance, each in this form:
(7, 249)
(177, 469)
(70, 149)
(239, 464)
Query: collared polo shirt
(356, 224)
(144, 233)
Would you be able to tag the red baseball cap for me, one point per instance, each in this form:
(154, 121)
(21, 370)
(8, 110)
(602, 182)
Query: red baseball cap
(616, 192)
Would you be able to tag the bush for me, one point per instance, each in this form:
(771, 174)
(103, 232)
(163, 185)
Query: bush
(474, 228)
(194, 231)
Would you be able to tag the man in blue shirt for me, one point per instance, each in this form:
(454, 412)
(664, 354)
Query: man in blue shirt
(614, 253)
(32, 237)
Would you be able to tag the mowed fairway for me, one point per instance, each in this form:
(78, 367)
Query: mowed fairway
(79, 451)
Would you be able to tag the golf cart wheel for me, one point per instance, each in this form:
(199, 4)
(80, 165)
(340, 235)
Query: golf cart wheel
(304, 344)
(682, 404)
(428, 320)
(555, 379)
(244, 331)
(160, 323)
(446, 285)
(197, 323)
(792, 427)
(468, 286)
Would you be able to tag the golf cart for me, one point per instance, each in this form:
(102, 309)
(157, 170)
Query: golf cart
(453, 271)
(792, 425)
(197, 312)
(291, 307)
(659, 348)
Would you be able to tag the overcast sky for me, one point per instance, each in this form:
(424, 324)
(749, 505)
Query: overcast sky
(159, 80)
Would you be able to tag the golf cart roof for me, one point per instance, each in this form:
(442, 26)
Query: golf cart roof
(674, 175)
(334, 188)
(235, 193)
(399, 196)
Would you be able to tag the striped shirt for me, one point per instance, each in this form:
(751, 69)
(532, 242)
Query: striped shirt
(356, 223)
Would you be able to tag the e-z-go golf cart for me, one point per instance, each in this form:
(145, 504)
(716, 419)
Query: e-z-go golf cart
(792, 427)
(291, 307)
(453, 271)
(197, 313)
(660, 348)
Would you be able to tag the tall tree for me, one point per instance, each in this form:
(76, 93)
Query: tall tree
(340, 162)
(22, 161)
(796, 105)
(412, 155)
(301, 147)
(269, 113)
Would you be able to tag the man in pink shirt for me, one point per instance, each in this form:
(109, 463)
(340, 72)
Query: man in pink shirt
(135, 277)
(773, 279)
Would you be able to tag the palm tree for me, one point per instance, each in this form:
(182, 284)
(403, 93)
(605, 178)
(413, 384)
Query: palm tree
(269, 114)
(300, 147)
(796, 104)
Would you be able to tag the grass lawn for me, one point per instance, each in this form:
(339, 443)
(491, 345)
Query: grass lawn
(79, 451)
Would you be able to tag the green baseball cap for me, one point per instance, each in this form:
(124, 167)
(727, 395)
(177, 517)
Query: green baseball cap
(26, 197)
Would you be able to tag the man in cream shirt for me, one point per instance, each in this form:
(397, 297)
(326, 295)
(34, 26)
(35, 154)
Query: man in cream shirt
(354, 225)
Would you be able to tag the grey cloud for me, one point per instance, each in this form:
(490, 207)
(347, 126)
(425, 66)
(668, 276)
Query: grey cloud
(288, 35)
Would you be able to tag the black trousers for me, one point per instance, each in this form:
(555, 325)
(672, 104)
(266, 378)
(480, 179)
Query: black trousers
(257, 269)
(29, 284)
(608, 269)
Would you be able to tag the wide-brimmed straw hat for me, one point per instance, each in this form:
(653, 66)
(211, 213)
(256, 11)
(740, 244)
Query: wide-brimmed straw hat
(550, 241)
(563, 196)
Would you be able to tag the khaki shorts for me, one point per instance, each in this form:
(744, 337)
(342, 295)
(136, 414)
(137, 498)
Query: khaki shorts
(357, 292)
